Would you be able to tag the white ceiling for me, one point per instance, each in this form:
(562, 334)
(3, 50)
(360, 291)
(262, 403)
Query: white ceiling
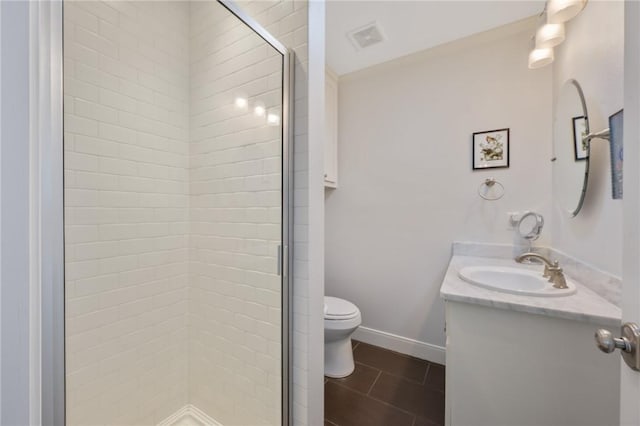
(411, 26)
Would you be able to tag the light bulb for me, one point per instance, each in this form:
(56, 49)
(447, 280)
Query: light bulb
(273, 119)
(559, 11)
(259, 110)
(540, 57)
(241, 103)
(549, 35)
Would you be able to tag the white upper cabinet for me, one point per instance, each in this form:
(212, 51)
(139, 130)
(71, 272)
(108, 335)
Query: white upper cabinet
(331, 133)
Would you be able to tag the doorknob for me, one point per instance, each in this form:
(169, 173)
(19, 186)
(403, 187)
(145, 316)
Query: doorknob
(628, 344)
(607, 343)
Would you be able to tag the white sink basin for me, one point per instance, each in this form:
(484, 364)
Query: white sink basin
(513, 280)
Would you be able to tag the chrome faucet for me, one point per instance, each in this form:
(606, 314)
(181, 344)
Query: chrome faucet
(552, 270)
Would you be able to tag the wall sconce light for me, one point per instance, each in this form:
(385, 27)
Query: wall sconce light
(559, 11)
(539, 58)
(552, 32)
(549, 35)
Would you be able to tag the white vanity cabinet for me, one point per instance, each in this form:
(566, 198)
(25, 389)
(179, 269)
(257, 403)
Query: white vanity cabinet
(516, 368)
(331, 130)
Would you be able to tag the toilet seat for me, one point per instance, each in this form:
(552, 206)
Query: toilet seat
(339, 309)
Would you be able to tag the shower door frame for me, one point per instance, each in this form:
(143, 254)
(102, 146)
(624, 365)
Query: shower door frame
(47, 299)
(285, 253)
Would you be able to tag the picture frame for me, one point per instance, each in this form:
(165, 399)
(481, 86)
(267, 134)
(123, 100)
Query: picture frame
(491, 149)
(616, 147)
(580, 146)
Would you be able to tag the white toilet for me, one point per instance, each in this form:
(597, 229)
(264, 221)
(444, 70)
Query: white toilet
(341, 318)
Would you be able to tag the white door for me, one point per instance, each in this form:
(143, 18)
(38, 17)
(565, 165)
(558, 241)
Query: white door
(630, 380)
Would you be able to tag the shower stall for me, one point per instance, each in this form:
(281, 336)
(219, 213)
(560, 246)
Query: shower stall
(177, 180)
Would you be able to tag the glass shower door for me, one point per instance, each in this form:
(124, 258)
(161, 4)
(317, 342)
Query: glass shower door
(236, 218)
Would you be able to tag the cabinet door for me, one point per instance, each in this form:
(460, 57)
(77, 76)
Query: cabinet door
(331, 131)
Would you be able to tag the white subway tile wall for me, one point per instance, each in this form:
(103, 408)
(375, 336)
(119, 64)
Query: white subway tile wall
(235, 219)
(126, 123)
(288, 22)
(172, 212)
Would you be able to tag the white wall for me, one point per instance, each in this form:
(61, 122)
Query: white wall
(313, 216)
(407, 190)
(16, 387)
(593, 54)
(32, 263)
(630, 380)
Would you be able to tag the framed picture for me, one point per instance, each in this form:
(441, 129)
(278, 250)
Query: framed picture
(580, 148)
(616, 147)
(491, 149)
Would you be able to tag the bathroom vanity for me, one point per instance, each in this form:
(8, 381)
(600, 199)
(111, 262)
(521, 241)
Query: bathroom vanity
(526, 360)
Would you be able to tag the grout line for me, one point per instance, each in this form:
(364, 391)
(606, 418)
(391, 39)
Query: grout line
(375, 399)
(411, 381)
(391, 374)
(426, 373)
(393, 406)
(374, 382)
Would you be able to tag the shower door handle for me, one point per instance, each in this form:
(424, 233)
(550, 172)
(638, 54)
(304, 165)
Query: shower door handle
(280, 260)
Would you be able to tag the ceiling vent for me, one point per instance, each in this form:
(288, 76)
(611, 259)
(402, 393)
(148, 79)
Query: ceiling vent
(366, 36)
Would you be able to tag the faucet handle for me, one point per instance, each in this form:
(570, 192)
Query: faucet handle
(550, 270)
(557, 278)
(554, 266)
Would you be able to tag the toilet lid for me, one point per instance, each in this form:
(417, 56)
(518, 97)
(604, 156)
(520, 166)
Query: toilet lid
(335, 308)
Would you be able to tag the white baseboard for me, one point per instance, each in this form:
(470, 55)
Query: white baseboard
(189, 415)
(401, 344)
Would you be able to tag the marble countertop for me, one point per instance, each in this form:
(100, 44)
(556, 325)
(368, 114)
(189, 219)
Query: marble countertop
(585, 305)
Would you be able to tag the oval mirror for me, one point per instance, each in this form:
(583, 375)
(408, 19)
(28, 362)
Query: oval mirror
(571, 150)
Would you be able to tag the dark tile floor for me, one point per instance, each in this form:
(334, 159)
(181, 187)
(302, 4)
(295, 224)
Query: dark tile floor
(386, 389)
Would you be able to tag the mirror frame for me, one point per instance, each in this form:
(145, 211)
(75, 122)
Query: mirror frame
(585, 182)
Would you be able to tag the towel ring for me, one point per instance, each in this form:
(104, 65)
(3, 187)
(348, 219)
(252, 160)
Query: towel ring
(490, 183)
